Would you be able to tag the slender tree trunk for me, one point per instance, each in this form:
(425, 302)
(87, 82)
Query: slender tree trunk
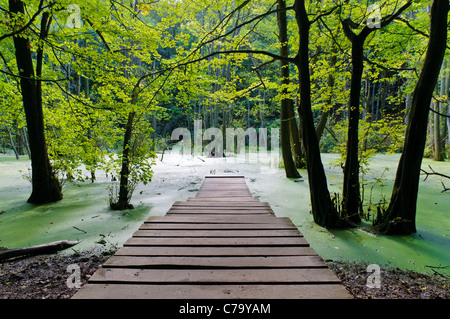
(439, 150)
(125, 190)
(296, 141)
(13, 145)
(25, 141)
(400, 217)
(46, 187)
(323, 210)
(286, 149)
(351, 194)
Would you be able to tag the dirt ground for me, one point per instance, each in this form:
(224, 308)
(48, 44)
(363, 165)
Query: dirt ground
(46, 277)
(395, 283)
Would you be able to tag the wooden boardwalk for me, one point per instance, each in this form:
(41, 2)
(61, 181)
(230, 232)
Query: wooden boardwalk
(221, 244)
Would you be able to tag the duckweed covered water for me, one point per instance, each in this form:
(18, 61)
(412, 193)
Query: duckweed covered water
(84, 214)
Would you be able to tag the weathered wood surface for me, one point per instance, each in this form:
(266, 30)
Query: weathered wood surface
(221, 244)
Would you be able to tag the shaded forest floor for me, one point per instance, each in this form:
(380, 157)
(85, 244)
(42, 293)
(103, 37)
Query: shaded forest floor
(45, 277)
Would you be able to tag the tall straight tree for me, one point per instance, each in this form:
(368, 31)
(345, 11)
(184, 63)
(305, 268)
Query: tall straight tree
(290, 166)
(323, 210)
(46, 187)
(400, 217)
(351, 195)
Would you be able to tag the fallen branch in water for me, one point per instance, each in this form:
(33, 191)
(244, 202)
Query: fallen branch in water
(37, 250)
(433, 173)
(438, 174)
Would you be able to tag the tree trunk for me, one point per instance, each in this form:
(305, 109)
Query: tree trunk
(351, 202)
(439, 150)
(124, 191)
(401, 214)
(323, 210)
(286, 150)
(25, 141)
(296, 141)
(13, 145)
(46, 187)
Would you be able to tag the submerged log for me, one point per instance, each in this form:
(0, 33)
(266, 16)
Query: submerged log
(37, 250)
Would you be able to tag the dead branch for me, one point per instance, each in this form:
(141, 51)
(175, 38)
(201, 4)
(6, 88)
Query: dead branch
(37, 250)
(433, 173)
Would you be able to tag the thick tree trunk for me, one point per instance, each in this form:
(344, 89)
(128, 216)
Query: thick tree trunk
(286, 149)
(323, 210)
(401, 214)
(46, 187)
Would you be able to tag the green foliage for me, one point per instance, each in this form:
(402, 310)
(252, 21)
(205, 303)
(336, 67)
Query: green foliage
(165, 49)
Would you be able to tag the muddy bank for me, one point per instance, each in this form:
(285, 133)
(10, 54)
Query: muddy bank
(46, 277)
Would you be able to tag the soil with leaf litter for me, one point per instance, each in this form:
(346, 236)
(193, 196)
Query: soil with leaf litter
(46, 277)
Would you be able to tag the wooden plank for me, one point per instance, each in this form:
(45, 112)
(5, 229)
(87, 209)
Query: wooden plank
(230, 204)
(219, 190)
(229, 186)
(242, 186)
(222, 209)
(239, 276)
(217, 233)
(198, 226)
(205, 210)
(215, 262)
(238, 291)
(230, 241)
(220, 215)
(222, 199)
(220, 219)
(231, 213)
(207, 197)
(207, 177)
(214, 251)
(219, 212)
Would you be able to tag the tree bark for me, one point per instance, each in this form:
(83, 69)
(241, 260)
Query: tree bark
(124, 191)
(400, 217)
(46, 187)
(286, 149)
(13, 145)
(351, 202)
(296, 141)
(439, 149)
(323, 210)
